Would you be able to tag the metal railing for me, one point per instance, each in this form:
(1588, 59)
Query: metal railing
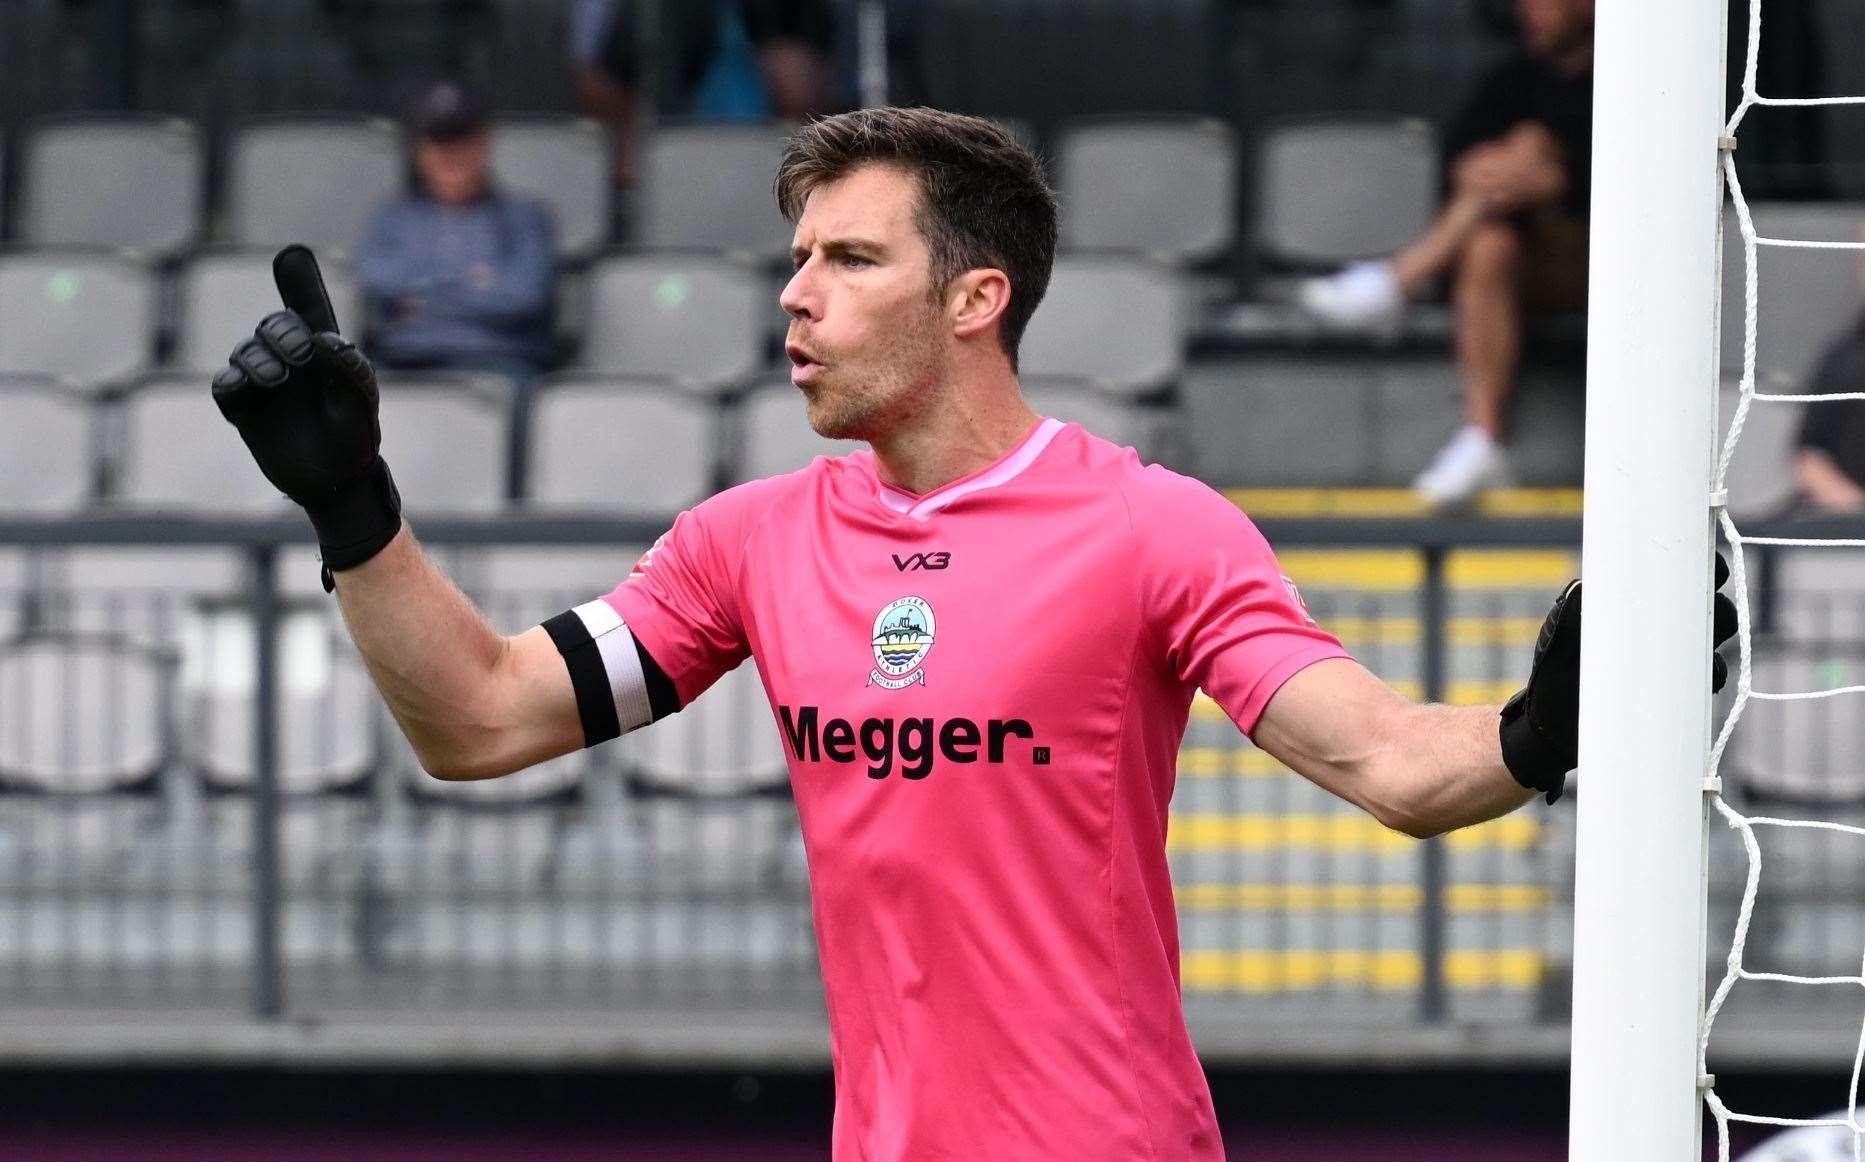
(385, 909)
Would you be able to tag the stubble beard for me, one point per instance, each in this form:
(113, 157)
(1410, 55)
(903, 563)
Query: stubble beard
(868, 403)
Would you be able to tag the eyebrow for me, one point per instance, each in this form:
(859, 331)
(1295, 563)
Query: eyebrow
(835, 247)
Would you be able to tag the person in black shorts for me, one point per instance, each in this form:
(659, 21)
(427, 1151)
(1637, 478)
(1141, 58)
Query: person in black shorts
(1512, 235)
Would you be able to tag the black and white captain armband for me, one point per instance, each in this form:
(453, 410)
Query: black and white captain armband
(618, 687)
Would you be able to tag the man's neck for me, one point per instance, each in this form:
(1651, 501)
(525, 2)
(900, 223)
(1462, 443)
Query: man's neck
(953, 440)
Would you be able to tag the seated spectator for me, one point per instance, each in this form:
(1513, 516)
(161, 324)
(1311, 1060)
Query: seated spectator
(723, 60)
(1512, 236)
(1829, 464)
(458, 274)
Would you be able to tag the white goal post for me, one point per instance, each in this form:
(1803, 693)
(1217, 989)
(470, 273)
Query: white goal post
(1639, 899)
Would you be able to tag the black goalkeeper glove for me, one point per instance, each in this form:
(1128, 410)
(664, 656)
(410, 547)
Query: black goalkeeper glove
(304, 399)
(1541, 724)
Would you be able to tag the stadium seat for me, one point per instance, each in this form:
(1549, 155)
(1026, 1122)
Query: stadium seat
(1808, 750)
(310, 180)
(178, 456)
(1807, 298)
(697, 320)
(708, 186)
(611, 445)
(82, 714)
(132, 183)
(567, 163)
(58, 306)
(327, 706)
(1118, 323)
(1332, 191)
(774, 435)
(221, 296)
(1761, 473)
(1167, 187)
(445, 437)
(725, 743)
(46, 448)
(1075, 402)
(1279, 421)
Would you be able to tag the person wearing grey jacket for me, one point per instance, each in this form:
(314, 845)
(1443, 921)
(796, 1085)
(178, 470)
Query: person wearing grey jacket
(458, 273)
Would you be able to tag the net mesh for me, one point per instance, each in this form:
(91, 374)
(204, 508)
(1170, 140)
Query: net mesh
(1746, 825)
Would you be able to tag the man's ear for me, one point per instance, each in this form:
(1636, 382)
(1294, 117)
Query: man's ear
(976, 300)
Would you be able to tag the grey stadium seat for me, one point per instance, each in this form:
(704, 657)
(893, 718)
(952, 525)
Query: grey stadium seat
(222, 295)
(1075, 402)
(45, 447)
(82, 714)
(84, 316)
(775, 436)
(708, 186)
(725, 743)
(1761, 474)
(1332, 191)
(310, 180)
(1807, 298)
(1164, 186)
(697, 320)
(444, 436)
(178, 455)
(614, 445)
(1809, 750)
(1118, 323)
(134, 183)
(327, 706)
(568, 163)
(1279, 421)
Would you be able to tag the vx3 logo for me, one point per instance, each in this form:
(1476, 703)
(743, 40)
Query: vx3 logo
(913, 561)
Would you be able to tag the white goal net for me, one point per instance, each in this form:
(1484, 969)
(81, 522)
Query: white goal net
(1747, 826)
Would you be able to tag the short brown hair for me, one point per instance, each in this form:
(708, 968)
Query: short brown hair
(983, 199)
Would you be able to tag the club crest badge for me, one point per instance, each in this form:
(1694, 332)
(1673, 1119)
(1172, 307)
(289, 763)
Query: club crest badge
(903, 634)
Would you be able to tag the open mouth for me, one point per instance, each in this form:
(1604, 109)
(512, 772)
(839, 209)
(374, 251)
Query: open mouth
(802, 364)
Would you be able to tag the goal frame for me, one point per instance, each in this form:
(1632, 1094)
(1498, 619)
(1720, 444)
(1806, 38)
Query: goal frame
(1640, 893)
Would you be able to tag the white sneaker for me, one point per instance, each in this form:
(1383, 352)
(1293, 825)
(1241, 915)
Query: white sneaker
(1365, 297)
(1471, 462)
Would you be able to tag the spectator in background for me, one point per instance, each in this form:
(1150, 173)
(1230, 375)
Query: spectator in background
(1512, 236)
(458, 274)
(725, 60)
(1829, 462)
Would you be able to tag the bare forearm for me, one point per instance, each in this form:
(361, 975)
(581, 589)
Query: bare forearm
(1456, 776)
(430, 652)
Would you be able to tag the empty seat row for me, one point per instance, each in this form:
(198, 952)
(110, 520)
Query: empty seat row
(705, 321)
(596, 444)
(1168, 186)
(84, 712)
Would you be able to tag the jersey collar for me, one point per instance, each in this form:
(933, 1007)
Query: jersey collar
(921, 507)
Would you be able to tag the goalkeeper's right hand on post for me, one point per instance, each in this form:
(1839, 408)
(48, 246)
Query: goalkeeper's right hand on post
(304, 400)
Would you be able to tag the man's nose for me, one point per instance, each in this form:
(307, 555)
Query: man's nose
(798, 298)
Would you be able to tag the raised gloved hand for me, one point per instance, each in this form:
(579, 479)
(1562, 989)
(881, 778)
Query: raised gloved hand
(1541, 724)
(304, 400)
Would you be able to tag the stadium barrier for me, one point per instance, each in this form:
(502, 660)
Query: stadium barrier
(648, 900)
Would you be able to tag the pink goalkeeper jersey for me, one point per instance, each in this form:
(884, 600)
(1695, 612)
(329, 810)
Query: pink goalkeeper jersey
(982, 693)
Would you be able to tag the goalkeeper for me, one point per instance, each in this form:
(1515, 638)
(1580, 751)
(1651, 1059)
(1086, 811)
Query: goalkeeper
(980, 638)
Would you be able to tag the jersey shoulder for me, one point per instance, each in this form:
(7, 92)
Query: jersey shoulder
(739, 510)
(1156, 497)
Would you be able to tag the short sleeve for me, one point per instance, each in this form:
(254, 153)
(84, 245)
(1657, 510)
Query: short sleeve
(680, 602)
(1222, 613)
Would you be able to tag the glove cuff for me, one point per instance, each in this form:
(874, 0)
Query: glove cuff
(1530, 757)
(356, 522)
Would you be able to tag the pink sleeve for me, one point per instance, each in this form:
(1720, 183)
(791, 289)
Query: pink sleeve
(1231, 623)
(681, 599)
